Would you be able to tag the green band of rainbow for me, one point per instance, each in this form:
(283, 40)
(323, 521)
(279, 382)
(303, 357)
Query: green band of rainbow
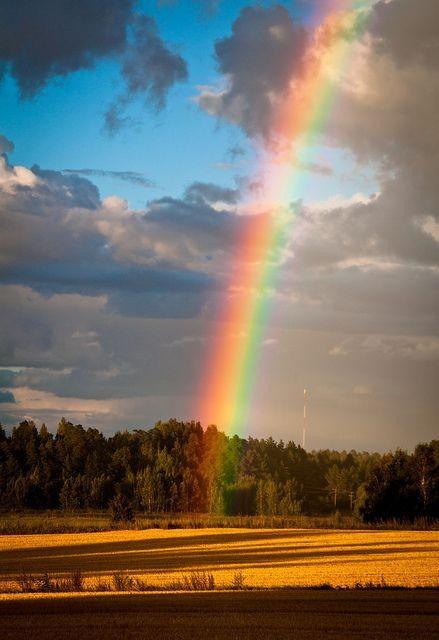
(299, 119)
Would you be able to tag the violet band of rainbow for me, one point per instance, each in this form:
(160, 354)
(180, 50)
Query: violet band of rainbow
(233, 359)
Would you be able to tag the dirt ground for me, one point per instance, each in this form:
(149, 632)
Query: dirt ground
(302, 615)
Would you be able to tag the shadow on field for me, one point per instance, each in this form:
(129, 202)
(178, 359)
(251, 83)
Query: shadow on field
(168, 554)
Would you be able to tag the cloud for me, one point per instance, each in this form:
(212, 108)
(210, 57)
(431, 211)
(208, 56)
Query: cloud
(201, 236)
(338, 350)
(269, 342)
(6, 146)
(393, 69)
(386, 115)
(362, 390)
(53, 38)
(133, 177)
(209, 193)
(40, 41)
(397, 348)
(7, 377)
(235, 151)
(37, 332)
(383, 228)
(15, 178)
(364, 249)
(73, 346)
(6, 397)
(258, 62)
(96, 277)
(149, 68)
(386, 97)
(165, 260)
(406, 33)
(35, 401)
(58, 237)
(45, 216)
(355, 299)
(184, 341)
(420, 348)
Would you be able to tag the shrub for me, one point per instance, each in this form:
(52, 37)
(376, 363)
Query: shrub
(121, 509)
(238, 581)
(25, 583)
(77, 581)
(198, 581)
(46, 584)
(123, 582)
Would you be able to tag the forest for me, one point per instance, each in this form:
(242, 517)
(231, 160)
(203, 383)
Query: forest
(179, 467)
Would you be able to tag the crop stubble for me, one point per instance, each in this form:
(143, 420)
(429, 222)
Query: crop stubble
(267, 558)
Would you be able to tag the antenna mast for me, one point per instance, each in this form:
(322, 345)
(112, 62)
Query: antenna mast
(304, 419)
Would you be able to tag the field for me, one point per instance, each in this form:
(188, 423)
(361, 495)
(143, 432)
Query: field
(271, 561)
(267, 558)
(247, 615)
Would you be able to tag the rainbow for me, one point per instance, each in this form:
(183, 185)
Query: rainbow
(299, 119)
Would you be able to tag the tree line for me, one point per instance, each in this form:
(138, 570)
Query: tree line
(179, 467)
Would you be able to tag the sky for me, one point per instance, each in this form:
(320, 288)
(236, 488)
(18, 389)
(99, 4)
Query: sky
(137, 140)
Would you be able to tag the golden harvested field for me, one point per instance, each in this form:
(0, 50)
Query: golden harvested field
(267, 557)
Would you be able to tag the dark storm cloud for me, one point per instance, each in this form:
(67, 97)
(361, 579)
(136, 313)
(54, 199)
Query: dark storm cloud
(133, 177)
(6, 396)
(70, 191)
(407, 31)
(186, 301)
(208, 192)
(6, 146)
(149, 69)
(130, 291)
(104, 277)
(52, 38)
(7, 377)
(193, 232)
(258, 62)
(49, 38)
